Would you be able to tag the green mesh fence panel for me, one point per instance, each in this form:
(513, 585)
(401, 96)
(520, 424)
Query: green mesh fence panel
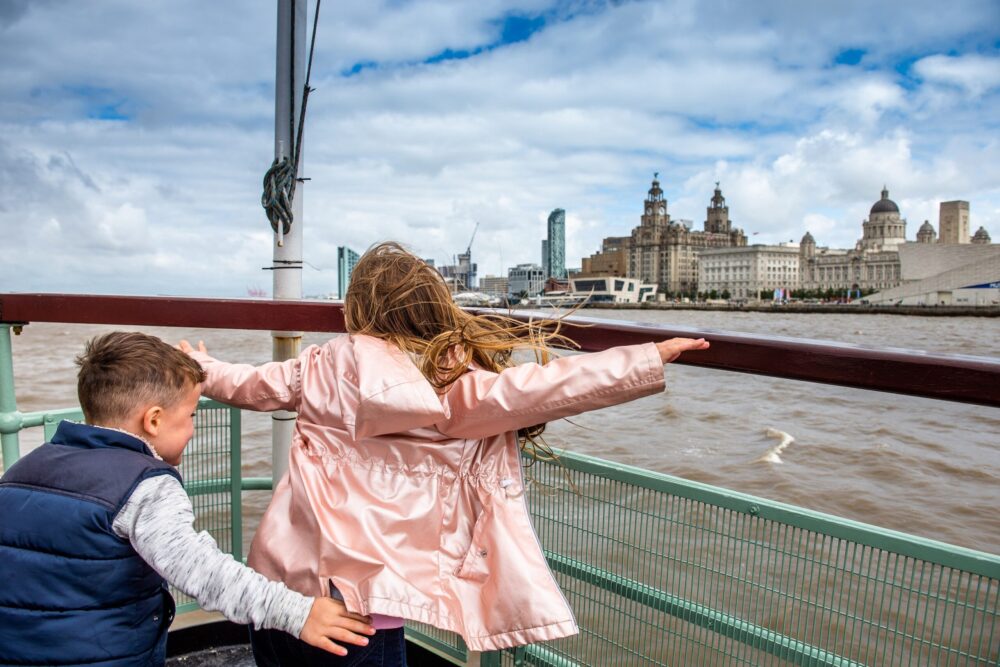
(660, 571)
(211, 472)
(446, 644)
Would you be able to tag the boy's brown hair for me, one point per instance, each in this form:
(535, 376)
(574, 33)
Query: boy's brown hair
(125, 370)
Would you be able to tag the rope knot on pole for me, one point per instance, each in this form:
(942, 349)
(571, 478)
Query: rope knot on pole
(279, 191)
(279, 181)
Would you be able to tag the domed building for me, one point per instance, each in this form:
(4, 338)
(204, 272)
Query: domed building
(944, 269)
(926, 234)
(981, 237)
(884, 229)
(873, 264)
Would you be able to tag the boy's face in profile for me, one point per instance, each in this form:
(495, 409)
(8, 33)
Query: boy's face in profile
(175, 426)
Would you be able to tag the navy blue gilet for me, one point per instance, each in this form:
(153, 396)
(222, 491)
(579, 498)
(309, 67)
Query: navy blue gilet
(71, 591)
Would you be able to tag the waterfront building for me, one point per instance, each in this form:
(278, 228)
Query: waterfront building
(873, 264)
(663, 251)
(952, 274)
(743, 272)
(525, 279)
(555, 285)
(953, 220)
(494, 285)
(926, 234)
(666, 252)
(346, 260)
(610, 260)
(554, 247)
(609, 289)
(948, 268)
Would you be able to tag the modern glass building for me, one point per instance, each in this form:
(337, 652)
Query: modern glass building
(554, 260)
(346, 259)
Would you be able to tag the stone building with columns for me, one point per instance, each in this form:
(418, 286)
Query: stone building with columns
(664, 251)
(883, 260)
(873, 263)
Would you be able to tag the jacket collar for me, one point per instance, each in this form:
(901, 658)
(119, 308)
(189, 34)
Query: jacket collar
(394, 395)
(87, 436)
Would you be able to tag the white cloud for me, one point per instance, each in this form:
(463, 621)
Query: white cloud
(974, 74)
(141, 131)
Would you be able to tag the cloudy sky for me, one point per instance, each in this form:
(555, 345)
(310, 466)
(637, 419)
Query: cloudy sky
(134, 135)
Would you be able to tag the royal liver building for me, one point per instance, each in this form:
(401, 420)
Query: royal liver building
(665, 252)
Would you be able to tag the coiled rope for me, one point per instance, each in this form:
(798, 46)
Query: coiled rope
(281, 178)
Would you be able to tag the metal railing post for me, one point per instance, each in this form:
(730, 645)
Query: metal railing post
(236, 481)
(10, 418)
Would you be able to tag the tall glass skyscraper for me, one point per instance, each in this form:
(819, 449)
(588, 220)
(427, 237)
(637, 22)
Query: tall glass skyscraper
(346, 259)
(555, 249)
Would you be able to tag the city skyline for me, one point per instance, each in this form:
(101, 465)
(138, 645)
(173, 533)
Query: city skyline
(129, 158)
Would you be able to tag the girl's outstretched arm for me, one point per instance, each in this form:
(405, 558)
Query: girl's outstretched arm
(271, 386)
(481, 403)
(672, 348)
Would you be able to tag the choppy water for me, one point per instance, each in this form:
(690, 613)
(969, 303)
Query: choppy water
(917, 465)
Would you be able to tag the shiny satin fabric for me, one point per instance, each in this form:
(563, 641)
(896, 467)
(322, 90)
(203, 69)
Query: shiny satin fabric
(412, 503)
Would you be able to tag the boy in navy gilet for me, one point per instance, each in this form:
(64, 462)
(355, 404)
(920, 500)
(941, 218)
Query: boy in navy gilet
(94, 523)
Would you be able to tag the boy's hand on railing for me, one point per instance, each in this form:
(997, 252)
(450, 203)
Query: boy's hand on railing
(672, 348)
(329, 620)
(186, 348)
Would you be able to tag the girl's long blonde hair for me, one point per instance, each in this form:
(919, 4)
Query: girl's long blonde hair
(398, 297)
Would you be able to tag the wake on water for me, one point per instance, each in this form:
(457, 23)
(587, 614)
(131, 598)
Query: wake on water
(773, 455)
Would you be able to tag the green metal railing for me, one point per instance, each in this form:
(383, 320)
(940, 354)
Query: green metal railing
(665, 571)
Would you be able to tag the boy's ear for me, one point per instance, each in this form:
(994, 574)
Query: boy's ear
(151, 420)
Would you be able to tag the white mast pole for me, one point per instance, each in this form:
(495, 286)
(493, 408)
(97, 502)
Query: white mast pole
(287, 259)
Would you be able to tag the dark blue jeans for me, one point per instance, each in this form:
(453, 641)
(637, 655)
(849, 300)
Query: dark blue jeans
(273, 648)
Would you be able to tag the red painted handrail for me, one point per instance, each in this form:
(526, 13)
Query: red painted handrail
(966, 379)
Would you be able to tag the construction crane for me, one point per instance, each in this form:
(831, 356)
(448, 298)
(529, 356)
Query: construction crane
(466, 269)
(468, 250)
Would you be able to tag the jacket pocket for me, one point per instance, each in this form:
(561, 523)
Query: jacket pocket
(474, 566)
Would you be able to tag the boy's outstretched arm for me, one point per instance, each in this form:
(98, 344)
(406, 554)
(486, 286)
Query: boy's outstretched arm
(672, 348)
(158, 520)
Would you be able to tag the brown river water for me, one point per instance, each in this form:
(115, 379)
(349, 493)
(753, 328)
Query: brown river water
(917, 465)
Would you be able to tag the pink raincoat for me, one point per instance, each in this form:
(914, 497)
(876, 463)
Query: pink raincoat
(411, 502)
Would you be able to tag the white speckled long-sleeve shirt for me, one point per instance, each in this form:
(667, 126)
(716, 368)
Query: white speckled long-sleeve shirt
(158, 520)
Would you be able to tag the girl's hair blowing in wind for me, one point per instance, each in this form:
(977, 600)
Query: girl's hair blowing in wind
(398, 297)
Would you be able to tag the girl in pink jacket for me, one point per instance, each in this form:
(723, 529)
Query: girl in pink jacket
(404, 493)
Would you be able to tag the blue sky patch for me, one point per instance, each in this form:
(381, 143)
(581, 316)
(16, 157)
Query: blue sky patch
(519, 28)
(849, 57)
(359, 67)
(108, 112)
(513, 29)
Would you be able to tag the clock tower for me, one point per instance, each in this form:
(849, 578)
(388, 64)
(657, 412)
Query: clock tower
(717, 221)
(655, 206)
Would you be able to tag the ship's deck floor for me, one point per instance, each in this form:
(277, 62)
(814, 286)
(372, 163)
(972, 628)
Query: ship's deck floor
(202, 639)
(227, 656)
